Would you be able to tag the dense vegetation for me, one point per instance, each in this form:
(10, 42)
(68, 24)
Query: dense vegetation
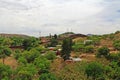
(34, 60)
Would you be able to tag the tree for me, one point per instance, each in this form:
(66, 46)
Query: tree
(30, 43)
(55, 36)
(89, 49)
(47, 76)
(78, 47)
(42, 64)
(17, 41)
(66, 48)
(25, 72)
(5, 72)
(4, 51)
(116, 44)
(94, 70)
(31, 55)
(103, 51)
(53, 43)
(17, 53)
(50, 55)
(7, 42)
(114, 57)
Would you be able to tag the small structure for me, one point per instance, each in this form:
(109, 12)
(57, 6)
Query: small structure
(87, 41)
(45, 40)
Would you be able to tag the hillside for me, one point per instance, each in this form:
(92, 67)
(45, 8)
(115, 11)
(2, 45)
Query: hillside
(13, 35)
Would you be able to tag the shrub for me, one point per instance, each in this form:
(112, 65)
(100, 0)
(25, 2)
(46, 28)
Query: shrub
(5, 72)
(103, 51)
(116, 44)
(31, 55)
(17, 54)
(94, 70)
(78, 47)
(42, 64)
(47, 76)
(87, 43)
(22, 60)
(114, 57)
(25, 72)
(50, 55)
(89, 49)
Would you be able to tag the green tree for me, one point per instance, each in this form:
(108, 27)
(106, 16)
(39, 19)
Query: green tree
(17, 41)
(17, 53)
(4, 51)
(55, 36)
(47, 76)
(30, 43)
(78, 47)
(115, 72)
(89, 49)
(53, 42)
(25, 72)
(66, 48)
(103, 51)
(42, 64)
(7, 42)
(22, 60)
(114, 57)
(116, 44)
(94, 70)
(5, 72)
(31, 55)
(50, 55)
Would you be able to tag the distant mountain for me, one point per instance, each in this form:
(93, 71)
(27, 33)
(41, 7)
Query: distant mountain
(90, 34)
(66, 34)
(77, 36)
(14, 35)
(72, 35)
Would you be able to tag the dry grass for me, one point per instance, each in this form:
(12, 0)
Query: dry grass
(11, 61)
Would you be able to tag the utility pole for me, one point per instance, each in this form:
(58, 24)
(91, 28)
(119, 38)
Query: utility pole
(39, 34)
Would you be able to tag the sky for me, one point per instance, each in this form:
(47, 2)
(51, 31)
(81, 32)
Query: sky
(42, 17)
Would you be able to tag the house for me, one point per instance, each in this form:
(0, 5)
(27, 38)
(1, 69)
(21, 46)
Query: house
(45, 40)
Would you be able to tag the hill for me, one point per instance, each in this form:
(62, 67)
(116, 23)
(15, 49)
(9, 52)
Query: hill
(14, 35)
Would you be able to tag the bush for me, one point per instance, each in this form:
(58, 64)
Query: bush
(114, 57)
(78, 47)
(17, 54)
(22, 60)
(5, 72)
(94, 70)
(87, 43)
(30, 43)
(42, 64)
(89, 49)
(25, 72)
(50, 55)
(31, 55)
(116, 44)
(47, 76)
(103, 51)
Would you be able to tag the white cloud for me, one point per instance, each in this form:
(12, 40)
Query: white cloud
(55, 16)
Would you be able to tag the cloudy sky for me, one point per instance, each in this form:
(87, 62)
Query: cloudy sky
(58, 16)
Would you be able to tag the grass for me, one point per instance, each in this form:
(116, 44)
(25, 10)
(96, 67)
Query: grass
(11, 61)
